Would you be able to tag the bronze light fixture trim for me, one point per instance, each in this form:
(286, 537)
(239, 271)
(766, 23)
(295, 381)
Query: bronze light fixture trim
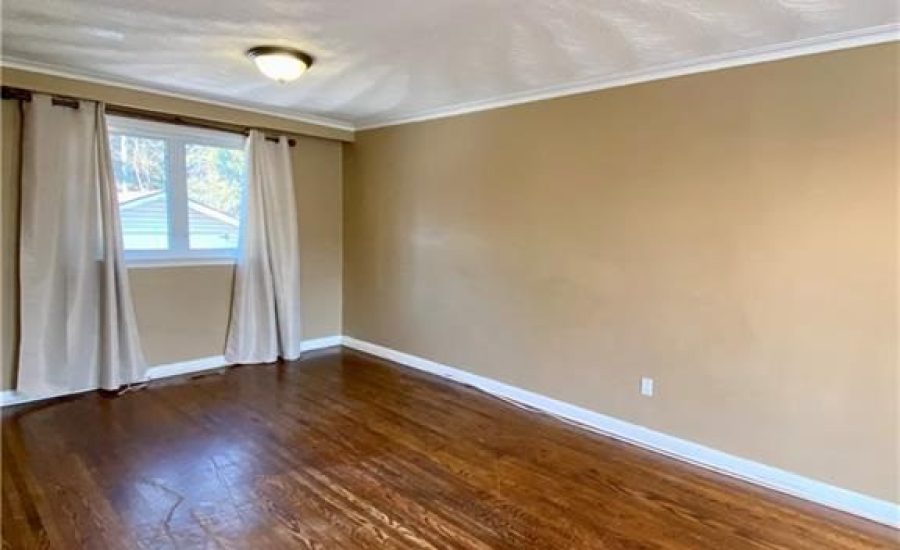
(280, 63)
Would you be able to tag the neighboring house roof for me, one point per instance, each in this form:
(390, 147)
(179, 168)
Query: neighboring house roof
(144, 218)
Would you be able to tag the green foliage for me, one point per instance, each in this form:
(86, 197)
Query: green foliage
(215, 177)
(139, 163)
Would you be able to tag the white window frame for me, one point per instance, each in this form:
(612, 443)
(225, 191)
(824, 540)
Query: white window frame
(177, 137)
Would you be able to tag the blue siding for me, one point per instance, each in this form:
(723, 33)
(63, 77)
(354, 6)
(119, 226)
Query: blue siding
(145, 226)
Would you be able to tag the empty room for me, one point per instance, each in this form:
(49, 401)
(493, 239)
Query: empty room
(469, 274)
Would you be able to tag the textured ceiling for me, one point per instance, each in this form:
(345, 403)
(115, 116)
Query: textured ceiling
(379, 61)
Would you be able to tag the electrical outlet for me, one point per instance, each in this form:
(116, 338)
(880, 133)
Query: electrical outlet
(647, 386)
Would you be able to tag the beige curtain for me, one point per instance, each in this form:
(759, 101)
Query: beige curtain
(265, 307)
(78, 328)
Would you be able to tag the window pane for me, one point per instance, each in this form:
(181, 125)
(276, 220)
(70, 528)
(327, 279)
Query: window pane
(139, 164)
(215, 177)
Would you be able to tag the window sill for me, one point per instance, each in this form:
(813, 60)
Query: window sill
(177, 262)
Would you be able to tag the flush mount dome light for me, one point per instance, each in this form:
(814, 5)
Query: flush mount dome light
(281, 64)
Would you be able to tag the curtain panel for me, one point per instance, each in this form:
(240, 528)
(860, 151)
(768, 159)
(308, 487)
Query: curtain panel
(78, 326)
(265, 309)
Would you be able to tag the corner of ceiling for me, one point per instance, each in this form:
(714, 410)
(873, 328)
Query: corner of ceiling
(853, 39)
(801, 47)
(63, 72)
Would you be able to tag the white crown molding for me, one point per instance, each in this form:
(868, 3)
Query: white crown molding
(757, 473)
(808, 46)
(53, 70)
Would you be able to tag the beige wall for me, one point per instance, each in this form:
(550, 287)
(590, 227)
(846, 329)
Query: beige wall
(731, 234)
(9, 215)
(183, 311)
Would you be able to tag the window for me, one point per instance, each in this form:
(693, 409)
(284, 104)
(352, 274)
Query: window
(180, 191)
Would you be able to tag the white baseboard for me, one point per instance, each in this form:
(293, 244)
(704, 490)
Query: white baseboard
(186, 367)
(9, 397)
(322, 343)
(218, 361)
(13, 397)
(789, 483)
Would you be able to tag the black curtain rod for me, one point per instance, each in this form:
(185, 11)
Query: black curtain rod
(20, 94)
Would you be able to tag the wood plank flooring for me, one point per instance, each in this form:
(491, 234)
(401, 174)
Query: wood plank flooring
(341, 450)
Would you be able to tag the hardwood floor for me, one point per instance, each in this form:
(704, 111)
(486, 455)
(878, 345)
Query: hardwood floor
(342, 450)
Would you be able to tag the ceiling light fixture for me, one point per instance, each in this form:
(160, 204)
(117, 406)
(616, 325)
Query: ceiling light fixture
(281, 64)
